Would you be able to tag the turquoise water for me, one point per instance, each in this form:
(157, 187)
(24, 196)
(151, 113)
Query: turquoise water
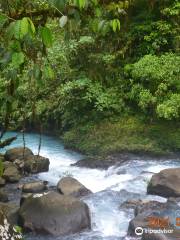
(108, 222)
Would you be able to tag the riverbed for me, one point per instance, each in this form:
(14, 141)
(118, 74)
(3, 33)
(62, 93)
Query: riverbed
(110, 187)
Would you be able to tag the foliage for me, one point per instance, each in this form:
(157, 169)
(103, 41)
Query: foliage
(155, 85)
(67, 63)
(127, 134)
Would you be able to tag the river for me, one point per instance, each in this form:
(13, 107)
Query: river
(110, 187)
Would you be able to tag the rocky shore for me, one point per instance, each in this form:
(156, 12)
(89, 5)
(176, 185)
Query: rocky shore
(36, 207)
(31, 204)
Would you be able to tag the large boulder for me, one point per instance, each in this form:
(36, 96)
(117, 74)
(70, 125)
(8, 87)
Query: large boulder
(34, 187)
(54, 214)
(7, 230)
(72, 187)
(17, 153)
(11, 173)
(153, 209)
(166, 183)
(10, 210)
(36, 164)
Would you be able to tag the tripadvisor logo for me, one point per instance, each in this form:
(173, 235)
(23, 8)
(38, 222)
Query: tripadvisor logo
(139, 231)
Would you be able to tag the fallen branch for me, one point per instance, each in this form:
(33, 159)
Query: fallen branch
(7, 142)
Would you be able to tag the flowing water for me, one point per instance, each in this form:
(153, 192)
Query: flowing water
(110, 187)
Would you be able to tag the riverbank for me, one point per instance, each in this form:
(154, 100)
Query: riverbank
(128, 134)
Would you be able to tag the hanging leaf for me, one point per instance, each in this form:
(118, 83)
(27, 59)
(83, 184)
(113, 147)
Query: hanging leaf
(62, 21)
(46, 36)
(24, 27)
(115, 24)
(31, 25)
(80, 3)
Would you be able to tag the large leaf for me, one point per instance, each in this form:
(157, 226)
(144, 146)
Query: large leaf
(46, 36)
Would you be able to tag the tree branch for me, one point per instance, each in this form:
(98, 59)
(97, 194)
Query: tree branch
(7, 142)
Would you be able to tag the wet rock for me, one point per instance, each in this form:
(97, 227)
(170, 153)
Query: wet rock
(36, 164)
(3, 196)
(54, 214)
(17, 153)
(10, 210)
(103, 162)
(138, 221)
(20, 164)
(71, 187)
(2, 182)
(130, 204)
(24, 197)
(11, 173)
(166, 183)
(34, 187)
(148, 207)
(154, 236)
(144, 211)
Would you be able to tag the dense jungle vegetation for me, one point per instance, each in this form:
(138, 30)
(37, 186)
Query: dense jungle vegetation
(103, 74)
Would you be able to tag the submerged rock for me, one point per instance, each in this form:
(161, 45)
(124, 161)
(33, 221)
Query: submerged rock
(72, 187)
(34, 187)
(166, 183)
(17, 153)
(103, 162)
(54, 214)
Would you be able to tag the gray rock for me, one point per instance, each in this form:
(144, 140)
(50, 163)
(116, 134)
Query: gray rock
(36, 164)
(71, 187)
(54, 214)
(11, 173)
(24, 197)
(154, 236)
(152, 209)
(3, 196)
(130, 204)
(10, 210)
(17, 153)
(34, 187)
(166, 183)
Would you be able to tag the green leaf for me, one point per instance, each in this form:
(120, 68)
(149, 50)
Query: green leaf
(46, 36)
(31, 25)
(80, 3)
(24, 27)
(115, 24)
(62, 21)
(18, 58)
